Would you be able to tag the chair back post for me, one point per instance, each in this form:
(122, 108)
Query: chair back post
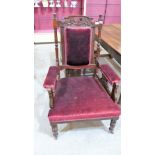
(100, 23)
(55, 25)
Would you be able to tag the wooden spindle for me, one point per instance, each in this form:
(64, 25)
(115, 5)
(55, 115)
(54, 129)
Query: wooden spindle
(55, 25)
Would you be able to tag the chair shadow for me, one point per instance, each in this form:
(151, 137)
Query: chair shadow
(84, 125)
(41, 108)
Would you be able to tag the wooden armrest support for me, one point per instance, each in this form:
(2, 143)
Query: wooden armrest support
(109, 75)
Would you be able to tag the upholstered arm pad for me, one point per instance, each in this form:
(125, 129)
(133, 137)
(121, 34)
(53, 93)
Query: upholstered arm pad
(109, 74)
(51, 77)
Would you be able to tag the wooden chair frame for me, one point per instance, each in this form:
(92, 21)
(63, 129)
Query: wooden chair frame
(78, 21)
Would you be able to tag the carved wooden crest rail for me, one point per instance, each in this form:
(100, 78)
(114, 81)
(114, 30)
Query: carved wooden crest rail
(77, 21)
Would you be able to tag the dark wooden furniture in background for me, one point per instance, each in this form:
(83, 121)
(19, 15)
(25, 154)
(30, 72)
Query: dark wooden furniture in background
(111, 40)
(78, 98)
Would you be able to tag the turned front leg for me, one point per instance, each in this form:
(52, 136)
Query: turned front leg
(54, 130)
(112, 125)
(51, 98)
(119, 100)
(114, 91)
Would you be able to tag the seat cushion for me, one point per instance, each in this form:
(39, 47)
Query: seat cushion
(80, 98)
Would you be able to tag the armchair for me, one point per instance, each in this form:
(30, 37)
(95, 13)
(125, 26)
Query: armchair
(77, 98)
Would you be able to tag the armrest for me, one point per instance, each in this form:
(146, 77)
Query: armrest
(51, 77)
(109, 74)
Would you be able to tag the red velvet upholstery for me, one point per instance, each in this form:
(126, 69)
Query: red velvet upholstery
(51, 77)
(79, 98)
(110, 75)
(77, 42)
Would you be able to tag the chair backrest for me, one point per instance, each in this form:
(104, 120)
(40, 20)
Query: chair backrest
(77, 41)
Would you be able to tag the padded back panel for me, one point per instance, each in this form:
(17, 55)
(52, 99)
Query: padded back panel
(77, 45)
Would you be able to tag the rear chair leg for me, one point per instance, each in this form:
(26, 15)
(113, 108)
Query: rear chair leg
(112, 125)
(54, 130)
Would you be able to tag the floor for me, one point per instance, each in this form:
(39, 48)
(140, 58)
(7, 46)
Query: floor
(83, 138)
